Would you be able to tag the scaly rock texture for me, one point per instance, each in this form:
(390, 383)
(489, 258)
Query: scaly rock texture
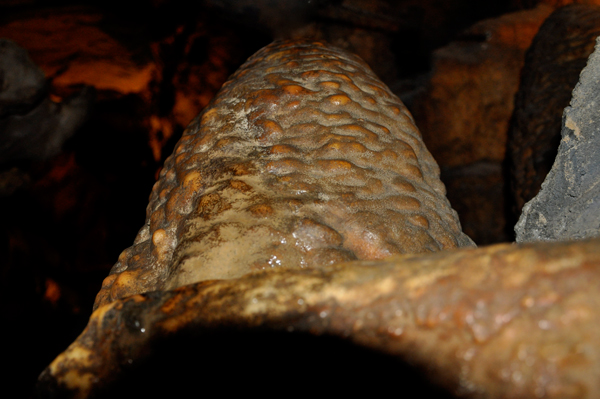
(552, 66)
(304, 159)
(505, 321)
(568, 205)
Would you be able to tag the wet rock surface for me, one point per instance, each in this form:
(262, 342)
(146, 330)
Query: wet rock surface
(567, 206)
(552, 66)
(303, 159)
(503, 321)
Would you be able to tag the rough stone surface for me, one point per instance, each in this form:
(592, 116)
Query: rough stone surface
(22, 83)
(81, 51)
(506, 321)
(465, 111)
(568, 205)
(304, 158)
(552, 66)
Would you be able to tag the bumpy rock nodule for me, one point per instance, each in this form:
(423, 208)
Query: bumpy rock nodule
(304, 159)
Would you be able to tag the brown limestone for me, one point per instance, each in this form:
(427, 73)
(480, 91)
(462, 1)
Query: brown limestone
(465, 112)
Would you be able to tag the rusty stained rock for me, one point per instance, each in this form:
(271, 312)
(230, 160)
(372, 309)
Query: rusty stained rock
(505, 321)
(304, 159)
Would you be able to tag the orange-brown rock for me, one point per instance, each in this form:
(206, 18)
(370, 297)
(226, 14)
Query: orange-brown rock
(304, 159)
(73, 48)
(465, 112)
(506, 321)
(70, 47)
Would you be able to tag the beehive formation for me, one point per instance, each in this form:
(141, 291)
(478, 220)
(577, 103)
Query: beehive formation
(304, 159)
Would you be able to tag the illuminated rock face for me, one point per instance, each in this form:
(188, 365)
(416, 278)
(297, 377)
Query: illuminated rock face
(304, 159)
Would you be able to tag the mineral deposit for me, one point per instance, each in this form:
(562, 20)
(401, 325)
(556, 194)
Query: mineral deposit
(304, 159)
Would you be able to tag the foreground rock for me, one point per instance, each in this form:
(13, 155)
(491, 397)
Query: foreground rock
(568, 205)
(504, 321)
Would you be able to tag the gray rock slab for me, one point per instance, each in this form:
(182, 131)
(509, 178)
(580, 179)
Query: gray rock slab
(568, 204)
(22, 83)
